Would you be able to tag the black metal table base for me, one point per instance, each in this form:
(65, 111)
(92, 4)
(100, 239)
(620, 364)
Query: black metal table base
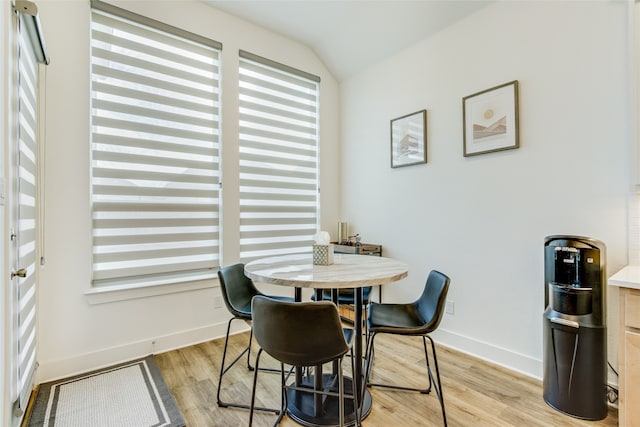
(301, 405)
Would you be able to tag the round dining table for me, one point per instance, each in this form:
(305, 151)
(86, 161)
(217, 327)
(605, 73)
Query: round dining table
(347, 271)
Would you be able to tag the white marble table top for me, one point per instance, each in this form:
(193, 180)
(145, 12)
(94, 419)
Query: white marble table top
(347, 271)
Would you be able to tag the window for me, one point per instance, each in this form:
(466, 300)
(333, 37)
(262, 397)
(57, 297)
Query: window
(154, 147)
(278, 158)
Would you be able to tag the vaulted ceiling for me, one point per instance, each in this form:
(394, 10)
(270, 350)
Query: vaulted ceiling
(350, 35)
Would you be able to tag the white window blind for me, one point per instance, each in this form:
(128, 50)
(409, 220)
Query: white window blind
(155, 150)
(25, 229)
(278, 158)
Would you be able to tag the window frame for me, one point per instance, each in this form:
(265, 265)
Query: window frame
(279, 138)
(116, 288)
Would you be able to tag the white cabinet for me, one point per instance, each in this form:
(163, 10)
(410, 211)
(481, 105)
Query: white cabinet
(629, 358)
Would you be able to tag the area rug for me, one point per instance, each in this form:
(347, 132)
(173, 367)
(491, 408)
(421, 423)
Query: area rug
(129, 394)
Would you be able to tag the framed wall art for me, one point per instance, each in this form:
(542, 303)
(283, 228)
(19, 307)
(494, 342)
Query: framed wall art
(490, 120)
(409, 139)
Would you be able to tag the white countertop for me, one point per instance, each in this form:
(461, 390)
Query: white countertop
(628, 277)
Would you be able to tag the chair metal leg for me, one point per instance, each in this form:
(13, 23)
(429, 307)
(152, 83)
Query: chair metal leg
(249, 366)
(326, 390)
(252, 407)
(356, 394)
(438, 387)
(253, 389)
(249, 350)
(341, 396)
(365, 314)
(283, 407)
(433, 382)
(224, 369)
(426, 357)
(392, 386)
(368, 357)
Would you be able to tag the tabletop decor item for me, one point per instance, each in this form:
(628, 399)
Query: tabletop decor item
(409, 139)
(490, 120)
(322, 249)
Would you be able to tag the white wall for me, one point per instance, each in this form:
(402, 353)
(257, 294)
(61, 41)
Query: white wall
(482, 220)
(75, 335)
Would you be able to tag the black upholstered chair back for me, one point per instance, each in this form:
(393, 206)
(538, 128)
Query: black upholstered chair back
(298, 333)
(431, 302)
(237, 290)
(418, 318)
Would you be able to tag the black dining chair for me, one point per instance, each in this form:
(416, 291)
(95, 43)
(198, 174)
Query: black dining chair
(237, 291)
(346, 297)
(302, 334)
(418, 318)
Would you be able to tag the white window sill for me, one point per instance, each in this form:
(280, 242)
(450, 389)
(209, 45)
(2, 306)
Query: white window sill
(114, 293)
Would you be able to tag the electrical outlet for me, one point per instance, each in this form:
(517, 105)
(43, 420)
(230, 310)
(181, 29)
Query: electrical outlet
(450, 308)
(217, 302)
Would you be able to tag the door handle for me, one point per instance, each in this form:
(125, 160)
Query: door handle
(20, 273)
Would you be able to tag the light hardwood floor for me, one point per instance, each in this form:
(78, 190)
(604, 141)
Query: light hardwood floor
(476, 393)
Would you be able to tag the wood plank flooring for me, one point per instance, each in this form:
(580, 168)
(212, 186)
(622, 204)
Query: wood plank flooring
(476, 393)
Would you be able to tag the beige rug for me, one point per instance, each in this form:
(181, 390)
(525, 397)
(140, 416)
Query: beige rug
(128, 394)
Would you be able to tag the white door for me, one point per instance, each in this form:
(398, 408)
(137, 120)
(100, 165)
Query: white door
(22, 207)
(5, 37)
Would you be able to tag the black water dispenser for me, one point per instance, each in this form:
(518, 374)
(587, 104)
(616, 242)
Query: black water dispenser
(575, 331)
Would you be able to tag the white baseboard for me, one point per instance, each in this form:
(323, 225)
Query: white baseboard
(50, 370)
(508, 359)
(54, 369)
